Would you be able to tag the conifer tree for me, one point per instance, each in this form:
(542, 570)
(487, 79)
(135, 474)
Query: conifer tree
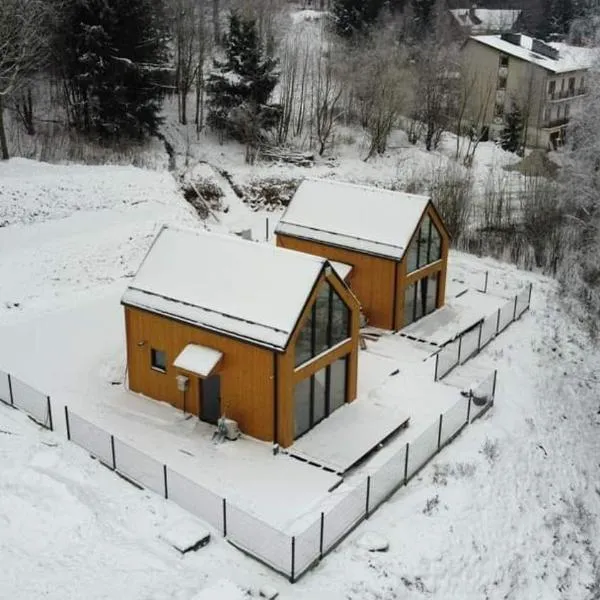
(352, 17)
(512, 134)
(239, 87)
(114, 58)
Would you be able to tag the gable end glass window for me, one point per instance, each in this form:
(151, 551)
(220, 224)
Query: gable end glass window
(420, 298)
(158, 360)
(426, 247)
(327, 324)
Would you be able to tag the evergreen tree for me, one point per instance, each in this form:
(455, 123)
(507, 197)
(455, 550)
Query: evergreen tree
(239, 87)
(114, 57)
(512, 134)
(352, 17)
(424, 17)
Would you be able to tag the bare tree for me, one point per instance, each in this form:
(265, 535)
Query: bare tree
(22, 43)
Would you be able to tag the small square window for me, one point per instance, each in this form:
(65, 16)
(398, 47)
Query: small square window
(158, 360)
(503, 60)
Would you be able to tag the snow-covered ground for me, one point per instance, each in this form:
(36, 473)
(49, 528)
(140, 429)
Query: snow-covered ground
(509, 510)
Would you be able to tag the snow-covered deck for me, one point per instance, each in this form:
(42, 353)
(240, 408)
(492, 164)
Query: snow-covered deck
(349, 434)
(458, 315)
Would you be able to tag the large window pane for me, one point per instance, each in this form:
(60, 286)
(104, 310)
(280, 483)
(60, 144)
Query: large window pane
(302, 407)
(409, 304)
(340, 319)
(337, 384)
(435, 250)
(432, 290)
(320, 395)
(322, 319)
(304, 343)
(411, 257)
(424, 241)
(420, 298)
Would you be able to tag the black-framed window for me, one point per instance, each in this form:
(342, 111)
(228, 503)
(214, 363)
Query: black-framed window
(420, 298)
(426, 247)
(327, 324)
(319, 395)
(158, 360)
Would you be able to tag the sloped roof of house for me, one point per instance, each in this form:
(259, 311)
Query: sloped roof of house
(570, 58)
(248, 290)
(481, 20)
(365, 219)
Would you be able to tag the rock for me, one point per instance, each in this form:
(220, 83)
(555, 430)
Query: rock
(268, 592)
(373, 542)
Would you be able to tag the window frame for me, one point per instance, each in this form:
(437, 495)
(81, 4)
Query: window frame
(154, 353)
(416, 240)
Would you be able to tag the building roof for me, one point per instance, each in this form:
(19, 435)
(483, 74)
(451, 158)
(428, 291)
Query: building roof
(248, 290)
(365, 219)
(482, 20)
(570, 58)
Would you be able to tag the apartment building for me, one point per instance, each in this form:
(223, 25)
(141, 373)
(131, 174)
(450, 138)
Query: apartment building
(546, 81)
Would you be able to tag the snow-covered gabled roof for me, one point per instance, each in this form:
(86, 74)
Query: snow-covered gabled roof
(248, 290)
(570, 58)
(365, 219)
(481, 20)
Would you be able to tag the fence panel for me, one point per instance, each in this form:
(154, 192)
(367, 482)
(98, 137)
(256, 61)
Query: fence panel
(389, 476)
(488, 329)
(196, 499)
(469, 344)
(4, 387)
(483, 395)
(344, 515)
(423, 448)
(307, 549)
(523, 301)
(447, 359)
(139, 467)
(259, 539)
(90, 437)
(31, 401)
(454, 419)
(506, 315)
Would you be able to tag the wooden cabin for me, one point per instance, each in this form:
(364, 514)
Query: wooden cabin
(220, 326)
(390, 247)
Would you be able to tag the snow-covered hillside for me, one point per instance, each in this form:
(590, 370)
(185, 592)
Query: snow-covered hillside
(509, 510)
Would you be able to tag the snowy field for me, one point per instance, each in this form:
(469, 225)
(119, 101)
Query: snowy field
(509, 510)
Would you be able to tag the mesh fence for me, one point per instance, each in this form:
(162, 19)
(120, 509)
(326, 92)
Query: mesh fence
(423, 448)
(488, 329)
(31, 401)
(454, 419)
(469, 344)
(260, 539)
(4, 388)
(523, 300)
(387, 478)
(139, 467)
(196, 499)
(93, 439)
(483, 395)
(506, 315)
(447, 359)
(307, 548)
(344, 515)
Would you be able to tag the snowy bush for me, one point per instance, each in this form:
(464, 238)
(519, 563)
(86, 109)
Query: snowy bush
(270, 193)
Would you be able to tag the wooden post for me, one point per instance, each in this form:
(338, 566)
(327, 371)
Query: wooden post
(49, 405)
(440, 432)
(321, 536)
(368, 494)
(67, 422)
(112, 450)
(406, 463)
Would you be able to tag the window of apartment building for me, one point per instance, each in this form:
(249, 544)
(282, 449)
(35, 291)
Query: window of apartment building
(559, 112)
(501, 83)
(562, 85)
(566, 111)
(551, 87)
(571, 85)
(582, 83)
(158, 360)
(547, 114)
(498, 110)
(504, 60)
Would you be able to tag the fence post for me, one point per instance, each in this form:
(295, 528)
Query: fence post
(165, 478)
(479, 337)
(459, 348)
(224, 517)
(266, 229)
(494, 385)
(67, 422)
(486, 282)
(321, 536)
(292, 578)
(469, 407)
(368, 494)
(515, 308)
(498, 322)
(50, 413)
(440, 431)
(437, 359)
(10, 390)
(406, 463)
(112, 451)
(529, 299)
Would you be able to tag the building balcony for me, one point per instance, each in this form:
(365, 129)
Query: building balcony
(567, 94)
